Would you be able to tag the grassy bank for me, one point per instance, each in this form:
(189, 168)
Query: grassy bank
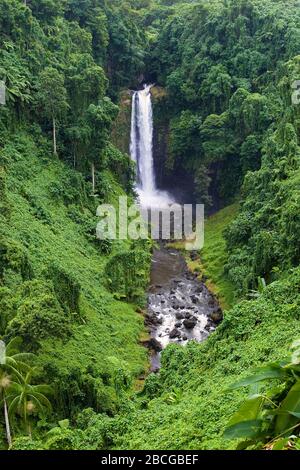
(214, 255)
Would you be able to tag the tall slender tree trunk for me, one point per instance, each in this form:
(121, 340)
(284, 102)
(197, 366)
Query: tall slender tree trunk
(54, 137)
(93, 177)
(7, 425)
(26, 419)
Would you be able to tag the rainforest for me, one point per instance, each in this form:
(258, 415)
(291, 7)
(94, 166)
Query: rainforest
(133, 343)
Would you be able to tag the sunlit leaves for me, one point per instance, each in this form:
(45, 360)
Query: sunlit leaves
(275, 413)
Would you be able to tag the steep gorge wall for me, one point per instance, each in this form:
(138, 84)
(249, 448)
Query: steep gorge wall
(161, 137)
(120, 135)
(171, 176)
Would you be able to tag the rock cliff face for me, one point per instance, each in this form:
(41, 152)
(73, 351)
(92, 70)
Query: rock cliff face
(169, 176)
(161, 136)
(121, 130)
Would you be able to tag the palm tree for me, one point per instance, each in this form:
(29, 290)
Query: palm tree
(5, 382)
(13, 358)
(17, 393)
(14, 361)
(26, 399)
(13, 366)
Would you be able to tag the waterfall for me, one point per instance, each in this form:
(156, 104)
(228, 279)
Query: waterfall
(142, 139)
(141, 149)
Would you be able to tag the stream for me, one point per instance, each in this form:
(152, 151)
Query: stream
(180, 307)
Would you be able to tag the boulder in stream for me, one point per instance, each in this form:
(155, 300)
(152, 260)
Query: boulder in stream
(190, 323)
(216, 316)
(175, 334)
(155, 345)
(152, 320)
(180, 315)
(194, 255)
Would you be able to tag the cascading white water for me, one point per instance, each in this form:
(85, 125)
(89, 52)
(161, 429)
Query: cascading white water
(142, 139)
(141, 150)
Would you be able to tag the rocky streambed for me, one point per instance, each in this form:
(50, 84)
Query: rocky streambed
(180, 307)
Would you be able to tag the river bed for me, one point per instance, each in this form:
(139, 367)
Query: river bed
(180, 307)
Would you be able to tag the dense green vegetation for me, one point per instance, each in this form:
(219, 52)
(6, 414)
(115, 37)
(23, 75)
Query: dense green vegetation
(69, 302)
(222, 64)
(229, 69)
(55, 290)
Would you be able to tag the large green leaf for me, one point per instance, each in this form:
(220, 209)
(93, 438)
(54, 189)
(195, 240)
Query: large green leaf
(245, 429)
(297, 415)
(245, 444)
(248, 411)
(272, 371)
(291, 404)
(281, 444)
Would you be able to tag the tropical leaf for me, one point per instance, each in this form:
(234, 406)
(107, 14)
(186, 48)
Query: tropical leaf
(43, 389)
(281, 444)
(248, 411)
(245, 444)
(288, 410)
(246, 429)
(44, 402)
(272, 371)
(297, 415)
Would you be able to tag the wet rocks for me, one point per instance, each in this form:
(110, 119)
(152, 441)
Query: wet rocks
(151, 319)
(199, 289)
(175, 333)
(179, 308)
(154, 345)
(190, 323)
(148, 319)
(216, 316)
(194, 255)
(212, 302)
(179, 315)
